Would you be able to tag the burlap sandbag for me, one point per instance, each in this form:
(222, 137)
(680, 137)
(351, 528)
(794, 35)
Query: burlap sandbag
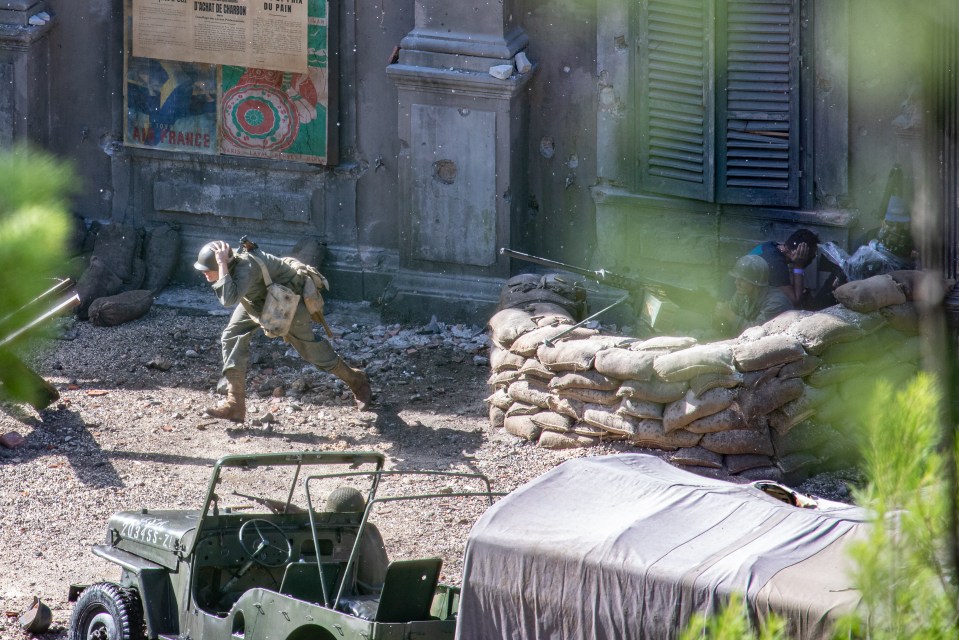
(827, 375)
(922, 286)
(589, 431)
(795, 462)
(696, 457)
(594, 396)
(784, 321)
(769, 397)
(650, 433)
(557, 441)
(502, 379)
(522, 427)
(664, 343)
(751, 334)
(552, 421)
(818, 331)
(902, 317)
(504, 360)
(739, 441)
(767, 352)
(869, 294)
(572, 355)
(522, 409)
(122, 307)
(790, 414)
(694, 361)
(545, 314)
(530, 392)
(625, 364)
(864, 349)
(161, 252)
(772, 474)
(809, 436)
(606, 419)
(732, 417)
(533, 368)
(653, 390)
(118, 245)
(703, 383)
(641, 409)
(866, 322)
(496, 417)
(567, 406)
(583, 380)
(756, 379)
(517, 299)
(97, 281)
(691, 407)
(800, 368)
(737, 463)
(523, 282)
(527, 344)
(500, 398)
(509, 324)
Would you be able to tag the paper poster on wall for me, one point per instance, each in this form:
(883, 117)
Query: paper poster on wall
(275, 114)
(267, 34)
(171, 105)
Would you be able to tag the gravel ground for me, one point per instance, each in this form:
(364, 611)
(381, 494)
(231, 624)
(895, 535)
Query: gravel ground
(129, 432)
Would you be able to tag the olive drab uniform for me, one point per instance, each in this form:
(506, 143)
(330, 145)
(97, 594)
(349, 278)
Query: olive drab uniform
(245, 288)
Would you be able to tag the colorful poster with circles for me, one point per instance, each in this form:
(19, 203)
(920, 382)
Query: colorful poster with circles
(277, 114)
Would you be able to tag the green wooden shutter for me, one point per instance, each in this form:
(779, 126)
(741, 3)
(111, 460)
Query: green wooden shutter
(675, 94)
(758, 115)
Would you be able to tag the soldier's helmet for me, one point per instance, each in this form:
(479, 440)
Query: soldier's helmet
(206, 259)
(345, 500)
(753, 269)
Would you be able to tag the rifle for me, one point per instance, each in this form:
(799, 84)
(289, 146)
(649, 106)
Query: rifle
(697, 299)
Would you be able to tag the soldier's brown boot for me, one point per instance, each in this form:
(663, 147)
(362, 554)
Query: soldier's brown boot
(357, 381)
(234, 407)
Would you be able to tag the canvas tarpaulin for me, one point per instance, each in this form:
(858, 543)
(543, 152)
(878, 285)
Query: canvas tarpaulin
(627, 546)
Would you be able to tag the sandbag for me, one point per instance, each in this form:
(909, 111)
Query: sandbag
(583, 380)
(502, 378)
(865, 349)
(594, 396)
(696, 457)
(530, 392)
(739, 441)
(800, 368)
(97, 281)
(566, 406)
(522, 409)
(902, 317)
(547, 313)
(820, 330)
(522, 427)
(664, 343)
(827, 375)
(625, 364)
(590, 431)
(756, 379)
(769, 397)
(557, 441)
(866, 322)
(772, 474)
(785, 320)
(504, 360)
(808, 436)
(869, 294)
(650, 433)
(533, 368)
(680, 413)
(605, 419)
(641, 409)
(552, 421)
(117, 245)
(122, 307)
(500, 398)
(527, 344)
(737, 463)
(514, 299)
(732, 417)
(767, 352)
(653, 390)
(161, 252)
(571, 355)
(694, 361)
(790, 414)
(508, 324)
(706, 381)
(795, 462)
(496, 417)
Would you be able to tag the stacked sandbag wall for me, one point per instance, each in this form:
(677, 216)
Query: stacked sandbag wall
(773, 403)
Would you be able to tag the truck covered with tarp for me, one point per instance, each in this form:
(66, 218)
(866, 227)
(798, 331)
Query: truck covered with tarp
(628, 546)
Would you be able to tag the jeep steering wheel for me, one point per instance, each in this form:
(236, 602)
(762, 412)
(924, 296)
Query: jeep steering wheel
(268, 545)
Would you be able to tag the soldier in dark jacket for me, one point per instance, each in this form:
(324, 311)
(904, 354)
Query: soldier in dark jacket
(754, 302)
(237, 279)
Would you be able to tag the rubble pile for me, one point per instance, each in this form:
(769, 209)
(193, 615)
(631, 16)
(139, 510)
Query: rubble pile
(773, 403)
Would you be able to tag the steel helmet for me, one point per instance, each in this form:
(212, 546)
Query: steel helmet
(753, 269)
(206, 259)
(345, 500)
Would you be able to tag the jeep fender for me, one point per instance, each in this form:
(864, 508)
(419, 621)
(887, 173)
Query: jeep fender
(153, 582)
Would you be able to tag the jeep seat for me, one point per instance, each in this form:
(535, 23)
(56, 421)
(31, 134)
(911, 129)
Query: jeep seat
(407, 594)
(301, 580)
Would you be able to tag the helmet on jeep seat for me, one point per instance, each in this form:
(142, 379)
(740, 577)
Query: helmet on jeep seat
(206, 259)
(753, 269)
(345, 500)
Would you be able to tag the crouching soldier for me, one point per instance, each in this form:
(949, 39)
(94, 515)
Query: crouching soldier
(754, 302)
(241, 278)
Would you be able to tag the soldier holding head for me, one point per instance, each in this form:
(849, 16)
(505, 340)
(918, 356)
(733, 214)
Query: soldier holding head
(754, 302)
(788, 261)
(238, 278)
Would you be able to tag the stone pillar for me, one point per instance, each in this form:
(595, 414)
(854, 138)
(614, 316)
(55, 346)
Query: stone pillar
(462, 162)
(24, 72)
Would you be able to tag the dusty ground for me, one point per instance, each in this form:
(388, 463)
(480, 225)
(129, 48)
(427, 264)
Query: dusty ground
(129, 432)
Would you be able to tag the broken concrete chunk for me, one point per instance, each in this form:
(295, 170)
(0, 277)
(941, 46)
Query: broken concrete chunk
(501, 71)
(523, 65)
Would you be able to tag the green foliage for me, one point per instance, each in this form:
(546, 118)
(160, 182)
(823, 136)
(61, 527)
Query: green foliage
(732, 623)
(900, 567)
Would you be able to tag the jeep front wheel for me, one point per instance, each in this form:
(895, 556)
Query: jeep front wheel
(106, 611)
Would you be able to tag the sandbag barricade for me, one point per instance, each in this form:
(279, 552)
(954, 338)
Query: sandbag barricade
(770, 404)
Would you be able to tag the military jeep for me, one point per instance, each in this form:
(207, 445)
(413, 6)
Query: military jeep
(274, 564)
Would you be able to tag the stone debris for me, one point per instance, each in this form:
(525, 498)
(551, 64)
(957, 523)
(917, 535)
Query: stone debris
(523, 65)
(501, 71)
